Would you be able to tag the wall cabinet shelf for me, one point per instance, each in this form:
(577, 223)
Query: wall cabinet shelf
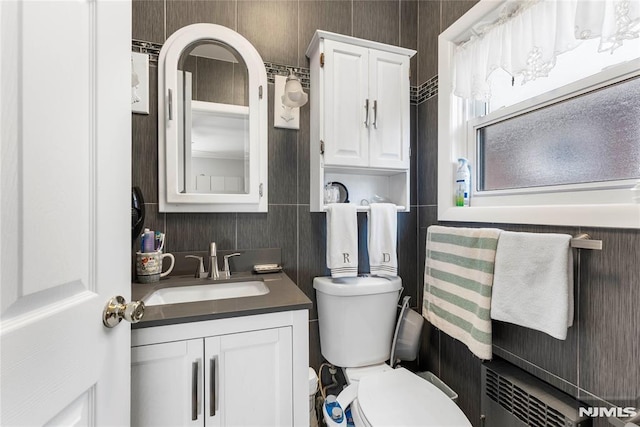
(367, 209)
(243, 371)
(359, 118)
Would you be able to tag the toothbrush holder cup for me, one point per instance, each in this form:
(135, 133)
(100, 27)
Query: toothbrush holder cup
(149, 266)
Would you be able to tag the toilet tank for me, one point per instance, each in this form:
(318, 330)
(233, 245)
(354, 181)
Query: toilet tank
(356, 318)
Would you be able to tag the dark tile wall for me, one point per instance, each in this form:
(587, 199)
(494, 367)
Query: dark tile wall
(599, 360)
(281, 32)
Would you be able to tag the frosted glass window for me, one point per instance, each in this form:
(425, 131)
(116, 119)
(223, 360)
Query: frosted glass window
(594, 137)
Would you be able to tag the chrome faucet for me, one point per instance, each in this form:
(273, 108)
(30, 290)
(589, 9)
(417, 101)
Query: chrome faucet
(200, 273)
(213, 261)
(225, 270)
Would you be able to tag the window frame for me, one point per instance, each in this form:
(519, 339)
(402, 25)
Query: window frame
(593, 204)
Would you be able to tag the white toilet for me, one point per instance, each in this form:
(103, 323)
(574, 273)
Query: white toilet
(357, 320)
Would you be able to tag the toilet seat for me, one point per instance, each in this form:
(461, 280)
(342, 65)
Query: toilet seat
(400, 398)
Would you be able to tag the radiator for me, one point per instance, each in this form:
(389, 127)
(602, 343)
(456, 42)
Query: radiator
(514, 398)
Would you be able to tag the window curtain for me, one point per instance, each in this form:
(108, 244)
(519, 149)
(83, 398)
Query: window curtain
(528, 36)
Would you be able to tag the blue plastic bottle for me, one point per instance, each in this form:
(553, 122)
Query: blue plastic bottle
(148, 241)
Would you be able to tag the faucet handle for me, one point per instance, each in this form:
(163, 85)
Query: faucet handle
(213, 251)
(226, 270)
(200, 273)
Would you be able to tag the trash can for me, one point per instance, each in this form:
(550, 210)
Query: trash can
(313, 388)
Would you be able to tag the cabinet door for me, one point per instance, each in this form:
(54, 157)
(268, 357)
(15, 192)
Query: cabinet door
(345, 118)
(248, 379)
(167, 384)
(389, 95)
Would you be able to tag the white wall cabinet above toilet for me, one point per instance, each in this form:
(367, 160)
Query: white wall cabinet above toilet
(365, 108)
(360, 124)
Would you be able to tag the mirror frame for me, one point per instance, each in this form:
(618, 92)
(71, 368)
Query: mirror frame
(170, 198)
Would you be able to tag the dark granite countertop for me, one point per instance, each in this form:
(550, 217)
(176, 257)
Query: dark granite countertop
(283, 295)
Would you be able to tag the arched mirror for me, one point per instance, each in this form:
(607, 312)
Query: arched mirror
(212, 122)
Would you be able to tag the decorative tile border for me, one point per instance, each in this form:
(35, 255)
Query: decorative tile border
(418, 94)
(413, 95)
(427, 90)
(274, 70)
(150, 48)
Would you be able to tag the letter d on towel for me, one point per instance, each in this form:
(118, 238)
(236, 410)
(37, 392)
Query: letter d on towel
(383, 239)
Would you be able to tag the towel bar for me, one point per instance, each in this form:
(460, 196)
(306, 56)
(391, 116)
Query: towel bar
(584, 241)
(367, 208)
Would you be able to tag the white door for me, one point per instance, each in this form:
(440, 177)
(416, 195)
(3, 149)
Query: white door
(389, 92)
(64, 222)
(347, 107)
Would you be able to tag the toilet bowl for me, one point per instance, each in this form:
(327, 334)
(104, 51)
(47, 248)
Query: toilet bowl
(357, 320)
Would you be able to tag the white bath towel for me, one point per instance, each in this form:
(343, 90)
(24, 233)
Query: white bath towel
(458, 276)
(383, 239)
(533, 283)
(342, 240)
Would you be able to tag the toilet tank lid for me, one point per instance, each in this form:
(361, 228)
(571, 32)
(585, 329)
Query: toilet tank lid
(361, 285)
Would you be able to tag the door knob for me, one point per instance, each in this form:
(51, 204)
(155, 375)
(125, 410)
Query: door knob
(117, 309)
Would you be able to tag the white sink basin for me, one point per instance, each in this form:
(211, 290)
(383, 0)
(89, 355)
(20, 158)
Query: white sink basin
(211, 291)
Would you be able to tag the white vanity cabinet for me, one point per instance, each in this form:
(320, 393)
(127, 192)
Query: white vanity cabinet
(360, 118)
(231, 372)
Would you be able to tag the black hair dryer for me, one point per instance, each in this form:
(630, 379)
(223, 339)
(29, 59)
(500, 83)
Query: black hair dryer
(137, 213)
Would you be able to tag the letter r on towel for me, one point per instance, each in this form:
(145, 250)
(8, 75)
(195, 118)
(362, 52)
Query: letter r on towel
(345, 257)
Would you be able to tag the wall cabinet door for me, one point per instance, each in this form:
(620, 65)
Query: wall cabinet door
(389, 138)
(366, 107)
(345, 110)
(167, 384)
(241, 379)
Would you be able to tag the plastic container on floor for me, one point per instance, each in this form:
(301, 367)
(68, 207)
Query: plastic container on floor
(313, 388)
(429, 376)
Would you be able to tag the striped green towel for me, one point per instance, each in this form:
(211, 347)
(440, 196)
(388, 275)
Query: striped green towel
(458, 277)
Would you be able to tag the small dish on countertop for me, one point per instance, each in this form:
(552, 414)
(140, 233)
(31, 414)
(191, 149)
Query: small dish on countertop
(267, 268)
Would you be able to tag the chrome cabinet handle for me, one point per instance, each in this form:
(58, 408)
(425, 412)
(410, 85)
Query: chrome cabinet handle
(366, 109)
(212, 387)
(194, 391)
(170, 102)
(117, 309)
(375, 114)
